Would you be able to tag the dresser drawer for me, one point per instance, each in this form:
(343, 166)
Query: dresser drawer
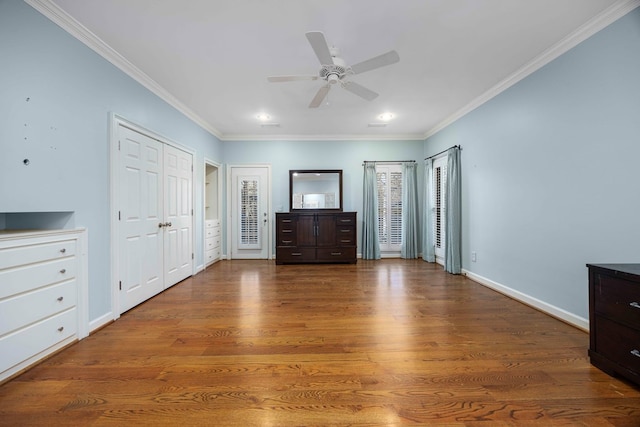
(618, 300)
(27, 278)
(346, 219)
(286, 236)
(36, 338)
(29, 254)
(27, 308)
(618, 343)
(211, 243)
(294, 254)
(336, 254)
(346, 235)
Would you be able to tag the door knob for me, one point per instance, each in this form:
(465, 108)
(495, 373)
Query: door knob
(160, 225)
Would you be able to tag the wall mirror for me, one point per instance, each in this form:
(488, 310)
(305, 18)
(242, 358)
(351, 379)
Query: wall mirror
(315, 189)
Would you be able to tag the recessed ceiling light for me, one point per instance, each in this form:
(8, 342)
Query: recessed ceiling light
(263, 117)
(385, 117)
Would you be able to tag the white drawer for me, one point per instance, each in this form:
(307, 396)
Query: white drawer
(36, 338)
(208, 232)
(215, 231)
(210, 223)
(29, 254)
(27, 278)
(31, 307)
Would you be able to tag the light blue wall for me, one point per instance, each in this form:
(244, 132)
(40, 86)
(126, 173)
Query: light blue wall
(55, 98)
(345, 155)
(551, 172)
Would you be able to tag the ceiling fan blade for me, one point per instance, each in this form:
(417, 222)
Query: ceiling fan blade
(388, 58)
(320, 47)
(279, 79)
(317, 100)
(360, 90)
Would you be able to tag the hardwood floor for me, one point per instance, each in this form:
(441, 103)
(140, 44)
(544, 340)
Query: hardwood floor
(379, 343)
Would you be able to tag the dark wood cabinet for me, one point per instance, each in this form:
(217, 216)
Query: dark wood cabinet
(614, 319)
(316, 237)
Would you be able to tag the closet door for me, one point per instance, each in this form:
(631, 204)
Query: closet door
(178, 215)
(140, 240)
(155, 210)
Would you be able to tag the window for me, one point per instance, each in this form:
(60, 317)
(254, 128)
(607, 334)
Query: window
(389, 180)
(439, 203)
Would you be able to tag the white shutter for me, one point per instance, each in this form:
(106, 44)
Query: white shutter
(439, 195)
(389, 180)
(249, 226)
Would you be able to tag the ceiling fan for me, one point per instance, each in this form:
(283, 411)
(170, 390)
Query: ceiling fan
(334, 69)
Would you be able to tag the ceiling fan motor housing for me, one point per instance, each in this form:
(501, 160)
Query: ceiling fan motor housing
(332, 73)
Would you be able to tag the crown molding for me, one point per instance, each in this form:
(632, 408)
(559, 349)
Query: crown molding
(82, 33)
(591, 27)
(368, 138)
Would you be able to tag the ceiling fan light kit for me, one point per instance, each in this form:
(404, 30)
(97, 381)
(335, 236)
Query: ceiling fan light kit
(334, 70)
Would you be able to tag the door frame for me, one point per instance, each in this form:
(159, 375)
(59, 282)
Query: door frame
(209, 162)
(115, 121)
(229, 203)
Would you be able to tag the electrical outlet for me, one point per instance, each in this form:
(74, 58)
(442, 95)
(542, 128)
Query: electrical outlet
(473, 257)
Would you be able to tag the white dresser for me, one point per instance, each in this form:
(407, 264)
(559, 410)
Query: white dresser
(42, 295)
(211, 241)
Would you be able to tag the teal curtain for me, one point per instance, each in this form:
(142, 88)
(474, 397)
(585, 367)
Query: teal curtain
(370, 241)
(428, 243)
(409, 248)
(453, 212)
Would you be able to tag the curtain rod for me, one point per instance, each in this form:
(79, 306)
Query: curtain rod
(387, 161)
(443, 151)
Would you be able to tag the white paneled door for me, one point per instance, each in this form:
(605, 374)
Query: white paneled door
(250, 220)
(178, 214)
(154, 201)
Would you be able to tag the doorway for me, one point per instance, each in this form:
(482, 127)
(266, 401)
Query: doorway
(249, 206)
(152, 220)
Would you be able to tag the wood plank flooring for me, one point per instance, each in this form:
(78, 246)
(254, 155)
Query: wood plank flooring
(379, 343)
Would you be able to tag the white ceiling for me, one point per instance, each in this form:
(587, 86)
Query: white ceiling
(211, 58)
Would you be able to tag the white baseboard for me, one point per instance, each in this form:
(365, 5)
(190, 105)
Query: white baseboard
(101, 321)
(551, 310)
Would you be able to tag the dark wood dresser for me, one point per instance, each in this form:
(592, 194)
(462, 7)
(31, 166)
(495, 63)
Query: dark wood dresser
(316, 237)
(614, 319)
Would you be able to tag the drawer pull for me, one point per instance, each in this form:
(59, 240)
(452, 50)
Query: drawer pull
(634, 304)
(287, 241)
(336, 253)
(64, 270)
(61, 328)
(345, 231)
(63, 250)
(296, 254)
(286, 220)
(60, 299)
(636, 353)
(287, 231)
(345, 241)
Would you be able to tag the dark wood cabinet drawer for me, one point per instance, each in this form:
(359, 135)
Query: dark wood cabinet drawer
(336, 254)
(618, 300)
(618, 343)
(348, 218)
(346, 236)
(294, 254)
(286, 237)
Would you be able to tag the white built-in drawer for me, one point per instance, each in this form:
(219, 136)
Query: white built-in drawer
(215, 231)
(27, 308)
(28, 277)
(36, 338)
(29, 254)
(211, 223)
(208, 232)
(209, 244)
(209, 256)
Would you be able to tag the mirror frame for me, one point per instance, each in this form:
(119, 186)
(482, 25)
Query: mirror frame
(298, 171)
